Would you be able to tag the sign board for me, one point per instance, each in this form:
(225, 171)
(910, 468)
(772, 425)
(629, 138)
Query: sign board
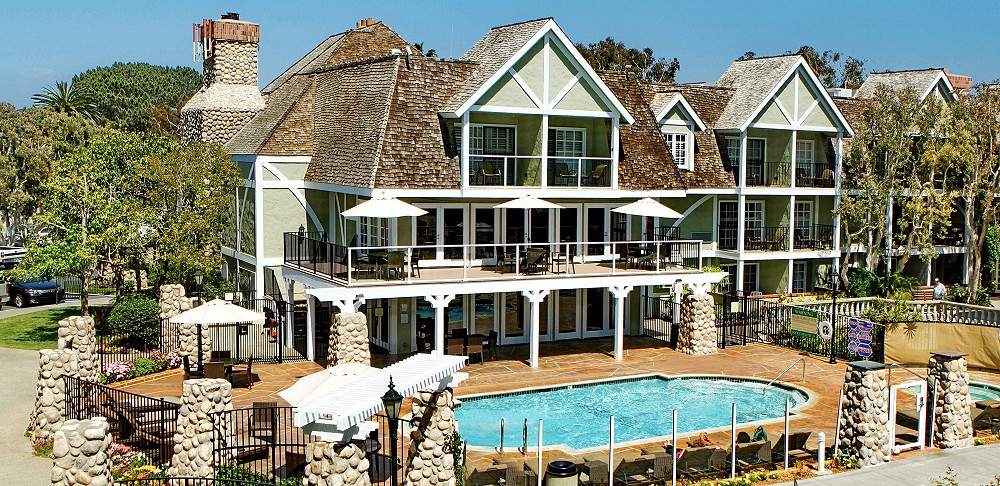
(803, 323)
(859, 337)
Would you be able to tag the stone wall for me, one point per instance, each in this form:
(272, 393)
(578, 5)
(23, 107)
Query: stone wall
(231, 62)
(80, 453)
(336, 464)
(697, 333)
(212, 126)
(188, 345)
(947, 372)
(77, 333)
(864, 416)
(429, 461)
(173, 300)
(349, 339)
(202, 399)
(50, 393)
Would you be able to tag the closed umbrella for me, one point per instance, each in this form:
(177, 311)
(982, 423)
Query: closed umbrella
(528, 203)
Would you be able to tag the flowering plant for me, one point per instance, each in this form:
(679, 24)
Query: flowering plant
(127, 463)
(118, 370)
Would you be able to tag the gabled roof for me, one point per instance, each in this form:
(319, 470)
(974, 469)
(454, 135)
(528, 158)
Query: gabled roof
(502, 47)
(757, 80)
(662, 103)
(252, 138)
(922, 81)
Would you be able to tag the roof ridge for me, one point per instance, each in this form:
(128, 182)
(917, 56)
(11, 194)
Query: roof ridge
(359, 62)
(910, 70)
(521, 23)
(767, 57)
(385, 122)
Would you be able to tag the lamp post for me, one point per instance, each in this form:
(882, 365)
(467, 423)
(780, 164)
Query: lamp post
(835, 286)
(199, 277)
(392, 401)
(302, 237)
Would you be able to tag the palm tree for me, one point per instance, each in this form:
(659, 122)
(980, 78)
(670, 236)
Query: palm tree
(65, 99)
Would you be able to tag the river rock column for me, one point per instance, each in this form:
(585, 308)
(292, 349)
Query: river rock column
(349, 339)
(80, 453)
(50, 395)
(201, 403)
(189, 342)
(430, 460)
(948, 377)
(864, 416)
(172, 302)
(77, 333)
(697, 332)
(336, 464)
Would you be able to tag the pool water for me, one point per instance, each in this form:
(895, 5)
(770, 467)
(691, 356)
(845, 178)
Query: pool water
(982, 391)
(578, 416)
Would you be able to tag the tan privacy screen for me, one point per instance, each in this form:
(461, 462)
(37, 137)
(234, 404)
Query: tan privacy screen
(912, 343)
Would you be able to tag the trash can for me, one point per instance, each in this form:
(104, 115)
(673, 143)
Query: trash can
(561, 473)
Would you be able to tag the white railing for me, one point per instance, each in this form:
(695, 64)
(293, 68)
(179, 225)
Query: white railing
(539, 171)
(927, 310)
(461, 263)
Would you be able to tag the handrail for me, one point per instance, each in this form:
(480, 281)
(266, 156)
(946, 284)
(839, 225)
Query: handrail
(803, 360)
(524, 439)
(499, 449)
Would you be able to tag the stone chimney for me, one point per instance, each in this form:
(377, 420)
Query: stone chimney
(229, 96)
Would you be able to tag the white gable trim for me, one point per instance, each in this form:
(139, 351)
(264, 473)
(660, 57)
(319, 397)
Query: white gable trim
(941, 77)
(679, 98)
(816, 84)
(571, 52)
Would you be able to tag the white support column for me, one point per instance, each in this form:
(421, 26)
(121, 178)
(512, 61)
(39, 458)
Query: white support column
(791, 276)
(620, 293)
(289, 313)
(310, 327)
(440, 303)
(741, 212)
(545, 151)
(349, 305)
(258, 230)
(678, 294)
(794, 158)
(791, 223)
(838, 161)
(535, 298)
(614, 152)
(464, 150)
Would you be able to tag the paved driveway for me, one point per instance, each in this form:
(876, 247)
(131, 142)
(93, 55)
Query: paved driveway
(18, 376)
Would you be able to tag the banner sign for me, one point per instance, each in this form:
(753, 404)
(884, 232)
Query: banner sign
(803, 322)
(859, 337)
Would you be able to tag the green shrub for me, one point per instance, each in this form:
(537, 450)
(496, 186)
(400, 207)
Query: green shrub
(146, 366)
(897, 285)
(863, 283)
(960, 293)
(136, 317)
(234, 472)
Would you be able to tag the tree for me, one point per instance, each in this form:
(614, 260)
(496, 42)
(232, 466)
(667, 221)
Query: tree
(69, 98)
(828, 66)
(420, 47)
(126, 94)
(31, 142)
(93, 208)
(615, 56)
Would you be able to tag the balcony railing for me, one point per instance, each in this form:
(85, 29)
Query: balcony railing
(766, 238)
(814, 237)
(814, 175)
(354, 266)
(537, 171)
(775, 238)
(766, 174)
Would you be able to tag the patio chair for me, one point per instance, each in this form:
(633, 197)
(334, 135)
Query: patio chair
(262, 422)
(215, 369)
(504, 259)
(491, 344)
(475, 348)
(190, 372)
(564, 175)
(534, 261)
(743, 438)
(751, 455)
(596, 177)
(560, 258)
(487, 173)
(634, 470)
(247, 371)
(796, 443)
(778, 241)
(397, 264)
(414, 264)
(986, 419)
(700, 462)
(455, 346)
(220, 355)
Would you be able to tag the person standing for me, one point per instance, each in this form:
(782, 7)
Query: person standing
(939, 289)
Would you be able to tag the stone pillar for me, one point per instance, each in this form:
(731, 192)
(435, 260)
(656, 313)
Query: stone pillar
(202, 400)
(188, 336)
(172, 302)
(948, 377)
(349, 339)
(80, 451)
(697, 332)
(430, 461)
(864, 416)
(77, 333)
(336, 464)
(50, 396)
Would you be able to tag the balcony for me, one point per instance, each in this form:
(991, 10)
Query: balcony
(778, 174)
(815, 175)
(775, 238)
(537, 171)
(401, 265)
(814, 237)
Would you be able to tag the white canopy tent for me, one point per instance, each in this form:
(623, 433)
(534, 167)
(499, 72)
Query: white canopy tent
(336, 403)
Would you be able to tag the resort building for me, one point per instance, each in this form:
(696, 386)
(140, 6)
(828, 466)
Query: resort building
(752, 164)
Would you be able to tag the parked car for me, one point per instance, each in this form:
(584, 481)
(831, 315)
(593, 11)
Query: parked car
(11, 255)
(35, 291)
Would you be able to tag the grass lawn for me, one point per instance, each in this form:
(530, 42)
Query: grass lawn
(37, 330)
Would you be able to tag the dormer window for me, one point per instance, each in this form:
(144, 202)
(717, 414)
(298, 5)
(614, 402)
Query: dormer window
(678, 122)
(677, 143)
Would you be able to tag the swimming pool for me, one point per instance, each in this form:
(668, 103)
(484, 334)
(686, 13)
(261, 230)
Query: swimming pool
(578, 415)
(982, 391)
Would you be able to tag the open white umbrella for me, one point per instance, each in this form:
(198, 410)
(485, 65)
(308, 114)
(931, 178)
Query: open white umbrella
(217, 311)
(648, 207)
(383, 207)
(528, 203)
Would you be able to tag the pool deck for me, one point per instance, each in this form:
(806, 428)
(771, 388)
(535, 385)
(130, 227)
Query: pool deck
(589, 360)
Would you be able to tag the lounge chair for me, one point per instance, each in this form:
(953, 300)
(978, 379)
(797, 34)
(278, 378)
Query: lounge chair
(796, 443)
(474, 348)
(490, 474)
(635, 470)
(700, 462)
(751, 455)
(986, 419)
(534, 261)
(596, 177)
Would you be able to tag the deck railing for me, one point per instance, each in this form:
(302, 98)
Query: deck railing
(768, 174)
(927, 310)
(814, 237)
(538, 171)
(814, 175)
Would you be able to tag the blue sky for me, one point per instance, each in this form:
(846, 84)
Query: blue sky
(43, 41)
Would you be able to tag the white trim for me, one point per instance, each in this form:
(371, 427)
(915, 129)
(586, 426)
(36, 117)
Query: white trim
(295, 192)
(784, 112)
(541, 111)
(565, 91)
(243, 257)
(531, 94)
(258, 230)
(808, 112)
(800, 62)
(574, 56)
(693, 115)
(801, 128)
(509, 192)
(941, 77)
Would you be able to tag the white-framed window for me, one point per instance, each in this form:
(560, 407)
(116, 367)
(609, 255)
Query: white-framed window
(803, 219)
(733, 150)
(750, 280)
(805, 153)
(567, 142)
(373, 231)
(491, 140)
(800, 275)
(729, 268)
(678, 145)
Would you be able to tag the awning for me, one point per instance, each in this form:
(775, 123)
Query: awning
(347, 395)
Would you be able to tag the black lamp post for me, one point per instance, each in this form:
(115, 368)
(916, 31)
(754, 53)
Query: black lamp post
(199, 277)
(302, 238)
(834, 286)
(392, 401)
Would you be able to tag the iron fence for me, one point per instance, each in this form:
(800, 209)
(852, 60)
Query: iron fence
(262, 440)
(744, 319)
(190, 481)
(658, 319)
(143, 423)
(384, 462)
(128, 344)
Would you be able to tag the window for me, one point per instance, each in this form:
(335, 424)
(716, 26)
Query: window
(804, 157)
(373, 231)
(800, 272)
(677, 143)
(490, 140)
(803, 220)
(567, 142)
(750, 278)
(729, 268)
(733, 151)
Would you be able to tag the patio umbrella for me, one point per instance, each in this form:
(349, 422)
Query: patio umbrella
(383, 207)
(217, 311)
(648, 207)
(528, 203)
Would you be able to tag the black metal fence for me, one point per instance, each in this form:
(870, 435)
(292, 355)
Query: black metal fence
(383, 463)
(189, 481)
(126, 345)
(812, 343)
(143, 423)
(311, 251)
(658, 319)
(743, 320)
(262, 440)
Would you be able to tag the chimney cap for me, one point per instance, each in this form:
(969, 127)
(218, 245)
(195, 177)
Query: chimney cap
(230, 16)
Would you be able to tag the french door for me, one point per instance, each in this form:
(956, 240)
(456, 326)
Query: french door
(602, 228)
(728, 220)
(441, 234)
(803, 220)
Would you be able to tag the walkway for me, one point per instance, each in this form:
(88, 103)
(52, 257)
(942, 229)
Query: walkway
(972, 466)
(19, 466)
